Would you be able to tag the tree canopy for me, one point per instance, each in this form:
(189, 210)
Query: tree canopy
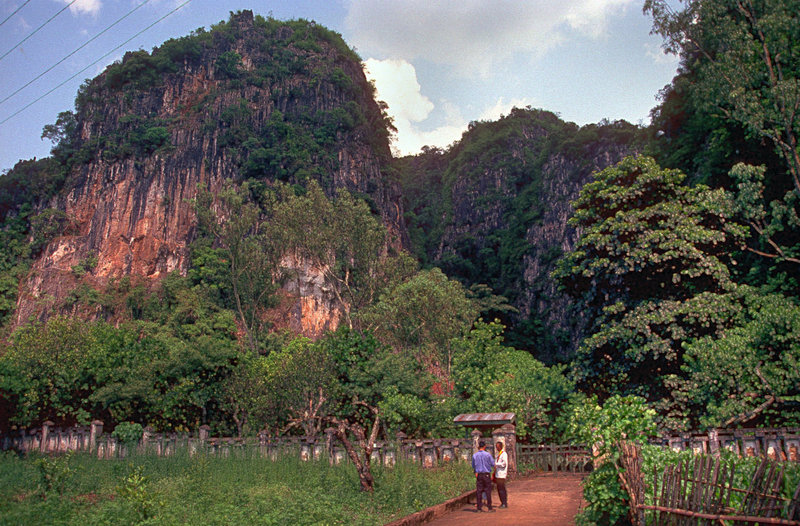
(651, 267)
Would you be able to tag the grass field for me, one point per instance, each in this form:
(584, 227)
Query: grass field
(209, 490)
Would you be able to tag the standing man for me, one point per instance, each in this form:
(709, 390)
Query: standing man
(482, 464)
(500, 471)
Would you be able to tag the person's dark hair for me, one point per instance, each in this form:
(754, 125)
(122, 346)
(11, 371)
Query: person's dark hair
(481, 444)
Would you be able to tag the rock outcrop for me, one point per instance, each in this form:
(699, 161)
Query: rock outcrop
(506, 188)
(204, 111)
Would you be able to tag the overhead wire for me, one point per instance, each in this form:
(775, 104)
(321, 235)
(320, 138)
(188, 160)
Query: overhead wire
(48, 70)
(90, 65)
(37, 29)
(15, 12)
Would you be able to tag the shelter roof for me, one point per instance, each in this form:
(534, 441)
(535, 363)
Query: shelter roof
(484, 419)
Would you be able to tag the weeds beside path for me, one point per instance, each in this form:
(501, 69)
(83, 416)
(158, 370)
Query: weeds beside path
(539, 500)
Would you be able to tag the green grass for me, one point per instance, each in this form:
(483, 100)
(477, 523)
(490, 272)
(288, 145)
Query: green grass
(211, 490)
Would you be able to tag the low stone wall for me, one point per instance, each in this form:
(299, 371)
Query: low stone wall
(50, 439)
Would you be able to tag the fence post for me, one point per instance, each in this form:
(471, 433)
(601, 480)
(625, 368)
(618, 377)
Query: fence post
(400, 444)
(45, 432)
(713, 442)
(507, 434)
(203, 433)
(476, 437)
(329, 444)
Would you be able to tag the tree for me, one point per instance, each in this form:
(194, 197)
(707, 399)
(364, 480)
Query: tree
(245, 393)
(775, 228)
(492, 377)
(238, 226)
(651, 268)
(745, 68)
(300, 378)
(422, 316)
(760, 380)
(367, 374)
(339, 236)
(47, 373)
(747, 62)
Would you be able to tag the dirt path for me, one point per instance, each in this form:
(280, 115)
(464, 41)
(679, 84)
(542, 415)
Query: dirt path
(542, 500)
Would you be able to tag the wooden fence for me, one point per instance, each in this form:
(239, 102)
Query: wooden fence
(556, 458)
(701, 491)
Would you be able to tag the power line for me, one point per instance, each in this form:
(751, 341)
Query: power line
(15, 12)
(37, 29)
(48, 70)
(90, 65)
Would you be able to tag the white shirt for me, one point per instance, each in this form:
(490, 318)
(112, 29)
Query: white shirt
(501, 465)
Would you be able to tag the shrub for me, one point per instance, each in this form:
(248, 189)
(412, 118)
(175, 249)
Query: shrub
(129, 433)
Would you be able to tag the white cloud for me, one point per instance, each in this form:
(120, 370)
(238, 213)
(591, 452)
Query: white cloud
(88, 7)
(590, 17)
(396, 81)
(502, 108)
(472, 35)
(396, 84)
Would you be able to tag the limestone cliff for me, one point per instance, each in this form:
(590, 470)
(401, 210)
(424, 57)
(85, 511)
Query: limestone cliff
(499, 211)
(252, 98)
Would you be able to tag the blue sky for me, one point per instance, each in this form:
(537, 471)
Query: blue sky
(438, 64)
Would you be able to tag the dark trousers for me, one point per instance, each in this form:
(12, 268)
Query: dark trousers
(483, 483)
(501, 491)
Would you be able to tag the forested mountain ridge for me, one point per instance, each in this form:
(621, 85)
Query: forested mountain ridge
(253, 100)
(493, 210)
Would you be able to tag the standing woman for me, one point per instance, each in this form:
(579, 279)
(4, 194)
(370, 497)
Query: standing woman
(500, 471)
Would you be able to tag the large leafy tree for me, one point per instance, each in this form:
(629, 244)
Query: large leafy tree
(238, 227)
(741, 69)
(760, 381)
(368, 377)
(490, 377)
(747, 63)
(421, 316)
(651, 269)
(339, 236)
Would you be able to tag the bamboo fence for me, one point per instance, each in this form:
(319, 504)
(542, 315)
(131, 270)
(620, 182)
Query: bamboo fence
(701, 491)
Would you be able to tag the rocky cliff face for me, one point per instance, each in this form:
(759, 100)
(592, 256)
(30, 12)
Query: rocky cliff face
(507, 187)
(252, 99)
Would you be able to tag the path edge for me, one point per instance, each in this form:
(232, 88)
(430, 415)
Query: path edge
(428, 514)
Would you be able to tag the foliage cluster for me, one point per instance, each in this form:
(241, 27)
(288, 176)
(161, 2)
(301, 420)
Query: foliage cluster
(604, 426)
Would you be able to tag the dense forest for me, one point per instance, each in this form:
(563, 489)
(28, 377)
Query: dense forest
(540, 267)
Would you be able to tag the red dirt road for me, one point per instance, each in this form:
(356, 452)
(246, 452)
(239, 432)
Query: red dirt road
(541, 500)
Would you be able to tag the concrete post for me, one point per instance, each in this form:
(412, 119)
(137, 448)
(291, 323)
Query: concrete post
(305, 451)
(45, 435)
(428, 455)
(329, 432)
(400, 438)
(203, 433)
(476, 437)
(713, 442)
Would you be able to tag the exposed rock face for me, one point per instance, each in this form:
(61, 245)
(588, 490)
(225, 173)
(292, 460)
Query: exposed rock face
(148, 148)
(510, 184)
(563, 179)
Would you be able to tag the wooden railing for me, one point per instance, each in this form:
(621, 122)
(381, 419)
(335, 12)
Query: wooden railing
(555, 458)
